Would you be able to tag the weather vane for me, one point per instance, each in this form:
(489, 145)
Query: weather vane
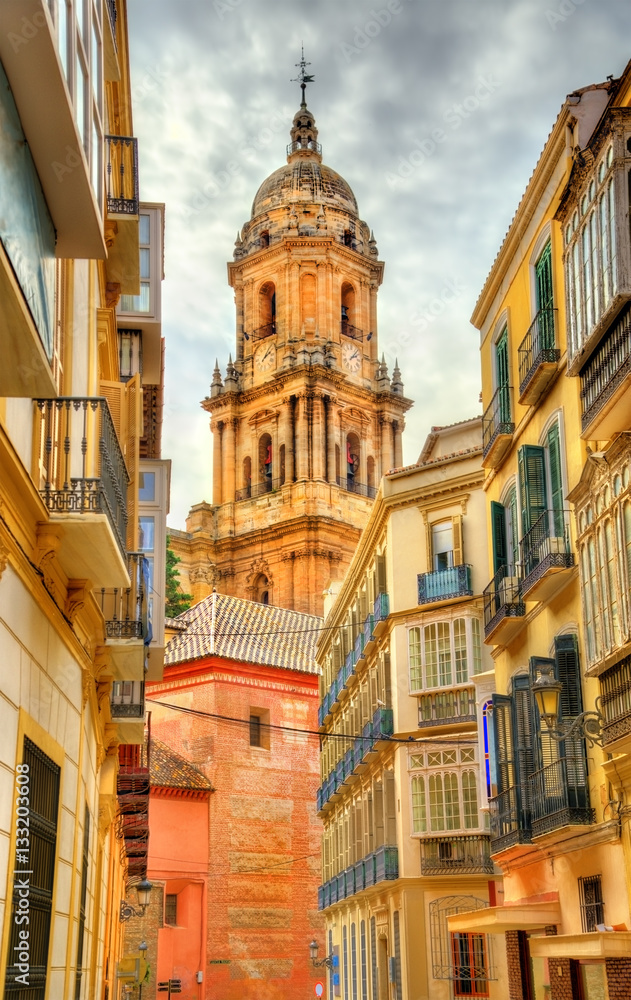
(304, 78)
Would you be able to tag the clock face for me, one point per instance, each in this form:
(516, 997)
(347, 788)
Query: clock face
(265, 358)
(351, 357)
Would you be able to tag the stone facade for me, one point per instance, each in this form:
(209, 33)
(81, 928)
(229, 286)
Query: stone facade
(306, 419)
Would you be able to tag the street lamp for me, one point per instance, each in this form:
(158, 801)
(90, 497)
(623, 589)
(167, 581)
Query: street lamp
(547, 691)
(330, 961)
(144, 895)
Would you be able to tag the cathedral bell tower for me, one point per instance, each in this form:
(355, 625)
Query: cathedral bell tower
(306, 419)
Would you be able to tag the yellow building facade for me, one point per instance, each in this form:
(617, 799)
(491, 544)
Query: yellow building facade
(306, 419)
(78, 469)
(405, 694)
(555, 349)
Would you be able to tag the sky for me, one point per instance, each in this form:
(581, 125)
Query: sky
(434, 111)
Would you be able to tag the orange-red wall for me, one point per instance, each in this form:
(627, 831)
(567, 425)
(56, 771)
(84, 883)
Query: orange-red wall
(263, 852)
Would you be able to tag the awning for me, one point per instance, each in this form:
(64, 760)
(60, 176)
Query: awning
(498, 919)
(599, 944)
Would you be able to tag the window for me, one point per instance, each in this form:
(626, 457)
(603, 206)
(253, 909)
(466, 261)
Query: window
(43, 791)
(544, 298)
(504, 533)
(465, 959)
(591, 901)
(442, 545)
(469, 964)
(353, 963)
(345, 955)
(260, 728)
(170, 909)
(255, 731)
(445, 796)
(141, 303)
(502, 377)
(443, 653)
(364, 961)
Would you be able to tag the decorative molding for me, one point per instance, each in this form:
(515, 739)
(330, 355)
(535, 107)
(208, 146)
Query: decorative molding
(76, 597)
(48, 543)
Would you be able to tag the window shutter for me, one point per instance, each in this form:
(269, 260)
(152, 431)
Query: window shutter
(513, 535)
(503, 762)
(556, 482)
(381, 574)
(569, 673)
(390, 808)
(532, 485)
(132, 457)
(524, 739)
(378, 814)
(456, 530)
(547, 749)
(501, 364)
(498, 534)
(543, 272)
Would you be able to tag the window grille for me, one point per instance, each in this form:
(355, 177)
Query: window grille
(170, 909)
(592, 903)
(448, 952)
(255, 731)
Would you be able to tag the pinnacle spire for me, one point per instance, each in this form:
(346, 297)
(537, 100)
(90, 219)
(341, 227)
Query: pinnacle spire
(304, 78)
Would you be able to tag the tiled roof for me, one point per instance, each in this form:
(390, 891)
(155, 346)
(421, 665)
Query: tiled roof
(167, 769)
(243, 630)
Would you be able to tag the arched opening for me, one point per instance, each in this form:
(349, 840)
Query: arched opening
(265, 462)
(348, 308)
(261, 589)
(370, 472)
(338, 471)
(264, 238)
(247, 476)
(352, 461)
(267, 309)
(348, 238)
(308, 302)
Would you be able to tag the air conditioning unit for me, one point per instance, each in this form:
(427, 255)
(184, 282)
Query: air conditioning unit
(508, 590)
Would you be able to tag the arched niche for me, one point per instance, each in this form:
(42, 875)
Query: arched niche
(347, 305)
(308, 302)
(267, 308)
(352, 458)
(265, 461)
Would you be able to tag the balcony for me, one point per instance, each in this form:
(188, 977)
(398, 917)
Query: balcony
(538, 357)
(308, 145)
(121, 177)
(446, 708)
(606, 384)
(510, 822)
(348, 330)
(497, 428)
(258, 489)
(262, 332)
(359, 647)
(133, 806)
(559, 795)
(364, 748)
(379, 866)
(127, 707)
(82, 479)
(125, 612)
(30, 58)
(444, 584)
(504, 610)
(467, 854)
(352, 486)
(546, 557)
(381, 611)
(615, 697)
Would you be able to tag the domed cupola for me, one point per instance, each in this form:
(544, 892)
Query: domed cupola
(304, 137)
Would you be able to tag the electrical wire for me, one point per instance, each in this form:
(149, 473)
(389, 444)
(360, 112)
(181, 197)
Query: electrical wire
(312, 732)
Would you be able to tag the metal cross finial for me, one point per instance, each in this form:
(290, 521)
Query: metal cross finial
(304, 78)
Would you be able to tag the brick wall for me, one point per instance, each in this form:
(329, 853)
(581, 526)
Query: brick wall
(618, 978)
(516, 986)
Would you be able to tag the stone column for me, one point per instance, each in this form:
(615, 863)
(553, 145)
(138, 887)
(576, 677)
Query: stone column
(386, 444)
(318, 440)
(302, 437)
(373, 322)
(288, 439)
(231, 458)
(293, 305)
(217, 429)
(398, 443)
(330, 440)
(238, 294)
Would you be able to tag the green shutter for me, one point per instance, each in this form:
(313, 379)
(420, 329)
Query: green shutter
(498, 534)
(532, 485)
(503, 763)
(513, 540)
(556, 482)
(523, 736)
(569, 673)
(545, 298)
(501, 367)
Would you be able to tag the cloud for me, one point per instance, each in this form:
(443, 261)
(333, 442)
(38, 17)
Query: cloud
(205, 85)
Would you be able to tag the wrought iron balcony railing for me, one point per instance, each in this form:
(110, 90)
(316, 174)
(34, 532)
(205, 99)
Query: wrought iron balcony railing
(81, 465)
(258, 489)
(464, 854)
(379, 866)
(262, 332)
(502, 599)
(497, 419)
(546, 546)
(382, 607)
(121, 176)
(125, 608)
(380, 727)
(615, 697)
(352, 486)
(510, 821)
(444, 708)
(348, 330)
(559, 795)
(128, 700)
(442, 584)
(606, 370)
(538, 347)
(113, 16)
(308, 144)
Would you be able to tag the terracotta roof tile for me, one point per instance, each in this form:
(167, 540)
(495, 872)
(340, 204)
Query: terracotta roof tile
(237, 629)
(167, 769)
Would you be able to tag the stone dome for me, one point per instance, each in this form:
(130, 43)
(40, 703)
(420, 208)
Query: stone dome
(304, 180)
